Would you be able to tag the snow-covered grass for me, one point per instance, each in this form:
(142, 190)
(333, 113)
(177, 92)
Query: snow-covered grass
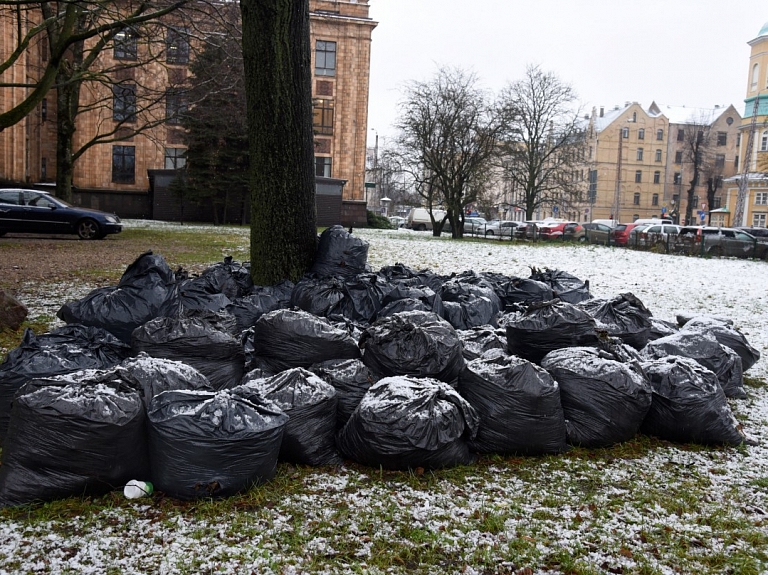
(643, 507)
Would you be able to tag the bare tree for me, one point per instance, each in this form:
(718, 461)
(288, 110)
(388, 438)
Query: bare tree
(697, 155)
(448, 132)
(543, 140)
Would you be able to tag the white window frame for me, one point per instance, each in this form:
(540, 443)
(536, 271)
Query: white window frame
(761, 198)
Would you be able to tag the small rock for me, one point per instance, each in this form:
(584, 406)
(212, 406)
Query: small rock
(12, 311)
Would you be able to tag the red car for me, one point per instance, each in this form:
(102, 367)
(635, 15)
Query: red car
(562, 231)
(620, 234)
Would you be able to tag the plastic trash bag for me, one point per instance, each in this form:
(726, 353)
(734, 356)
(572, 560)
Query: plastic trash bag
(414, 343)
(623, 316)
(418, 299)
(311, 405)
(469, 301)
(689, 405)
(140, 296)
(357, 299)
(661, 328)
(605, 401)
(229, 277)
(518, 403)
(212, 444)
(340, 254)
(74, 434)
(403, 275)
(351, 378)
(62, 350)
(192, 295)
(546, 327)
(154, 375)
(706, 350)
(248, 309)
(284, 339)
(726, 335)
(478, 340)
(203, 340)
(566, 287)
(407, 423)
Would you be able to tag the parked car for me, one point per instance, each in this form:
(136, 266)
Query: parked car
(501, 228)
(633, 240)
(620, 234)
(397, 221)
(657, 235)
(418, 218)
(562, 231)
(760, 233)
(718, 242)
(529, 229)
(597, 233)
(36, 212)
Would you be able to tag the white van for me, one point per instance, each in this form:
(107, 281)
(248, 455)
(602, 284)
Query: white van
(418, 218)
(609, 223)
(652, 221)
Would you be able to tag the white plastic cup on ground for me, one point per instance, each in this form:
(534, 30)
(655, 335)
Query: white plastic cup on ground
(135, 489)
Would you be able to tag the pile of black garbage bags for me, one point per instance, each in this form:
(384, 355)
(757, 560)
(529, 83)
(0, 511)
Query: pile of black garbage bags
(202, 384)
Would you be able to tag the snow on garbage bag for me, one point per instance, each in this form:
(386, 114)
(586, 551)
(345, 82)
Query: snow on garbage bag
(689, 405)
(340, 254)
(409, 422)
(726, 335)
(518, 403)
(661, 328)
(73, 434)
(414, 343)
(405, 304)
(548, 326)
(478, 340)
(357, 299)
(62, 350)
(513, 290)
(212, 444)
(469, 301)
(284, 339)
(140, 296)
(428, 299)
(566, 287)
(351, 378)
(604, 400)
(310, 404)
(154, 375)
(623, 316)
(203, 340)
(403, 275)
(705, 349)
(248, 309)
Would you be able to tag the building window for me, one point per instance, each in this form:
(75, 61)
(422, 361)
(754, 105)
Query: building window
(625, 132)
(175, 106)
(657, 177)
(679, 157)
(641, 134)
(177, 46)
(126, 45)
(655, 200)
(639, 154)
(761, 199)
(736, 162)
(658, 155)
(722, 138)
(325, 58)
(323, 167)
(638, 176)
(720, 160)
(636, 199)
(738, 139)
(322, 117)
(43, 169)
(592, 186)
(124, 164)
(174, 158)
(677, 178)
(695, 202)
(759, 220)
(755, 76)
(716, 203)
(764, 142)
(124, 102)
(660, 134)
(680, 135)
(44, 109)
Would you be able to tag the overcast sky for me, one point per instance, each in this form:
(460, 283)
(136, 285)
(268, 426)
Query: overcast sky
(676, 52)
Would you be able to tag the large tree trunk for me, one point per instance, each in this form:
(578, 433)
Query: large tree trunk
(67, 108)
(276, 56)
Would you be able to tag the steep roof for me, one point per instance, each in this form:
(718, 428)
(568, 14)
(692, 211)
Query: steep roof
(686, 115)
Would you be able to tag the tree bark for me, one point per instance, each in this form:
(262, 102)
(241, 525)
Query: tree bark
(67, 108)
(276, 56)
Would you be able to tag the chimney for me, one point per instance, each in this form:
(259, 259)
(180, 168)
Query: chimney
(602, 111)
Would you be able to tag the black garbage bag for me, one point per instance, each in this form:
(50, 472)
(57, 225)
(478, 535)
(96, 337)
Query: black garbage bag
(192, 295)
(405, 304)
(229, 277)
(426, 296)
(518, 403)
(203, 340)
(413, 343)
(284, 339)
(403, 275)
(70, 435)
(566, 287)
(140, 296)
(726, 335)
(340, 254)
(311, 405)
(684, 318)
(318, 296)
(470, 284)
(154, 375)
(661, 328)
(524, 291)
(351, 378)
(469, 301)
(545, 327)
(623, 316)
(706, 350)
(63, 350)
(605, 401)
(689, 405)
(212, 444)
(357, 299)
(478, 340)
(407, 423)
(248, 309)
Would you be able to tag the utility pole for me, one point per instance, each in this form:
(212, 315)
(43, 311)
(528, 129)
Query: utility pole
(741, 197)
(617, 196)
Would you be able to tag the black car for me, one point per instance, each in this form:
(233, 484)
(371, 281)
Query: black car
(36, 212)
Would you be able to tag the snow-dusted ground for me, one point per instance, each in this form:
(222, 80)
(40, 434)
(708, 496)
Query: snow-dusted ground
(609, 525)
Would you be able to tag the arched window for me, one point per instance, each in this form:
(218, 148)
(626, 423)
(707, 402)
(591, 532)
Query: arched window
(755, 75)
